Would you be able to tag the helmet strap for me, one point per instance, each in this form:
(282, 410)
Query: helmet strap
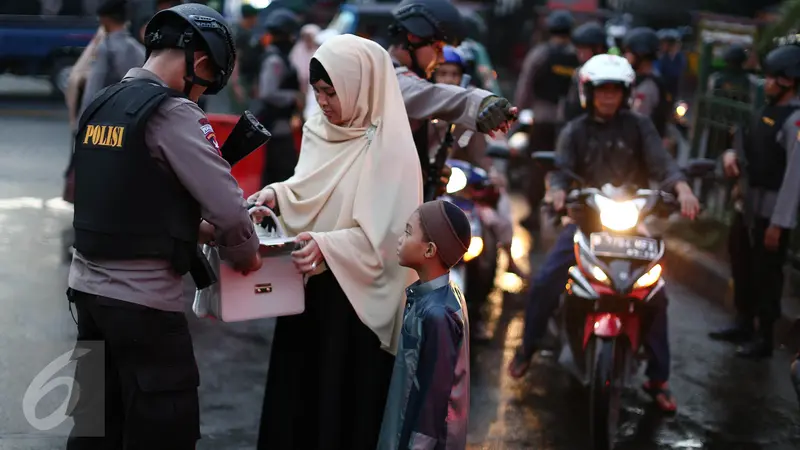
(411, 48)
(190, 79)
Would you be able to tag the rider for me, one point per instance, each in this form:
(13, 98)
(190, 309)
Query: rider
(542, 86)
(469, 147)
(589, 40)
(419, 33)
(650, 95)
(609, 144)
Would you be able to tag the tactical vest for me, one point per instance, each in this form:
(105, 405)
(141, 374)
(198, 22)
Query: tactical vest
(552, 84)
(661, 115)
(732, 85)
(270, 113)
(766, 155)
(250, 57)
(127, 206)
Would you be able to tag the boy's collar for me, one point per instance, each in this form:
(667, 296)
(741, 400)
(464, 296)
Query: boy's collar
(417, 288)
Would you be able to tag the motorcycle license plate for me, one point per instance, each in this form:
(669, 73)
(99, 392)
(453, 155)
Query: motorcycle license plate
(636, 247)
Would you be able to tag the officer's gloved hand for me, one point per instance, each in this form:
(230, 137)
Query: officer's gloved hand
(495, 115)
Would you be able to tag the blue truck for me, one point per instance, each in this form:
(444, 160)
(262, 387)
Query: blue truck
(43, 45)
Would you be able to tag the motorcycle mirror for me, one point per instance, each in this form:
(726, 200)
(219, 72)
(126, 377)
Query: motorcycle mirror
(699, 167)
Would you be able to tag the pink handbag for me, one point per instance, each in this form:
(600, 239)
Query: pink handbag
(275, 290)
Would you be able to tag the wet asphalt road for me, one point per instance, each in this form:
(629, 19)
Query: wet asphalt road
(724, 403)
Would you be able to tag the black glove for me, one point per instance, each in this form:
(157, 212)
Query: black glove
(496, 112)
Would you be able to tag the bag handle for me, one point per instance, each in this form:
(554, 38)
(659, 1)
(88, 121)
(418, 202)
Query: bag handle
(269, 219)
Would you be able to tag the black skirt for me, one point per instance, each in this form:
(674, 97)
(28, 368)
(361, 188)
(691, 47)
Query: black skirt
(328, 377)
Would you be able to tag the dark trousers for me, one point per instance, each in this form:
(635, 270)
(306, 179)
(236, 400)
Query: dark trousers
(757, 274)
(543, 138)
(149, 401)
(280, 160)
(546, 289)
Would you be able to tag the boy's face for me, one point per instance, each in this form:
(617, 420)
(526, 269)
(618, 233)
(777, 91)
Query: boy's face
(412, 248)
(448, 74)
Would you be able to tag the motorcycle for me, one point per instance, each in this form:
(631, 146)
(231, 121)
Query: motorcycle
(601, 320)
(469, 188)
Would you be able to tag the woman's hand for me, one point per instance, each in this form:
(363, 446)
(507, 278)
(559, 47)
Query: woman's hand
(264, 197)
(308, 258)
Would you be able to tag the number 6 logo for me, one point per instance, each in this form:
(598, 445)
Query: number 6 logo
(42, 384)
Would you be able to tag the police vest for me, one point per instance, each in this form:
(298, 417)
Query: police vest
(733, 86)
(270, 113)
(552, 84)
(662, 113)
(127, 206)
(250, 55)
(766, 156)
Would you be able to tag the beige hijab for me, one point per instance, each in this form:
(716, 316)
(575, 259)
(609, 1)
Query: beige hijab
(355, 186)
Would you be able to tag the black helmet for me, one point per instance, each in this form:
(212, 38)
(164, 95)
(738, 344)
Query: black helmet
(735, 55)
(642, 42)
(194, 27)
(669, 34)
(590, 34)
(560, 22)
(282, 21)
(432, 20)
(474, 26)
(784, 62)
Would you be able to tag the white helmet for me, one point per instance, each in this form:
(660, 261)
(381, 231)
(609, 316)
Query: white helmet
(604, 69)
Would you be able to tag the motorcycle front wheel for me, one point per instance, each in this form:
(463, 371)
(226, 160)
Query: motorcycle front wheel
(606, 391)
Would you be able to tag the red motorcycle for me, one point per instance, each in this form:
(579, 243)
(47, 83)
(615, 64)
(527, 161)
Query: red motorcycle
(601, 322)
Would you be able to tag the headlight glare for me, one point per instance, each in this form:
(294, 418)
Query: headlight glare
(475, 248)
(457, 182)
(618, 216)
(650, 278)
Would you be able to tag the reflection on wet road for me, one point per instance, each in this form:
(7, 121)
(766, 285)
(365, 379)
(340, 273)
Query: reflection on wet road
(724, 403)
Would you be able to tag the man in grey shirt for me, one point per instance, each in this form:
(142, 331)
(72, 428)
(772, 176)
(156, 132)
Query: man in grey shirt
(116, 54)
(150, 183)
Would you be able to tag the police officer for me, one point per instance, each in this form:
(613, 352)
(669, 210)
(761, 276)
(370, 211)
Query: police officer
(279, 95)
(543, 86)
(733, 82)
(770, 145)
(247, 60)
(147, 170)
(672, 61)
(419, 33)
(650, 95)
(589, 40)
(116, 54)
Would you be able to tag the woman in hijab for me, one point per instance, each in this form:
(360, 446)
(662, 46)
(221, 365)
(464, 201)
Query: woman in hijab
(302, 52)
(357, 181)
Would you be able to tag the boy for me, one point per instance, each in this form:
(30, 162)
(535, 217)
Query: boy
(428, 403)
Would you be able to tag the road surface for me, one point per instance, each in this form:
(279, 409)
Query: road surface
(725, 403)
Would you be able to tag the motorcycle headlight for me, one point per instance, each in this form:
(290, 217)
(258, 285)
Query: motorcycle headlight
(649, 278)
(475, 248)
(457, 182)
(618, 216)
(595, 272)
(681, 109)
(518, 141)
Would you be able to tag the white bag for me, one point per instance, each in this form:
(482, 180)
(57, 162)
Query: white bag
(277, 289)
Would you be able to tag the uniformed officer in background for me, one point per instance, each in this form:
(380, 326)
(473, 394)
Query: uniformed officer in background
(419, 33)
(589, 39)
(733, 81)
(117, 53)
(772, 172)
(279, 96)
(650, 95)
(248, 58)
(672, 61)
(147, 170)
(543, 85)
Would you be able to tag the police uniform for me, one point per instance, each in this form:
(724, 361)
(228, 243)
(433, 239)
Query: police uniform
(651, 98)
(115, 55)
(147, 169)
(278, 91)
(425, 100)
(770, 146)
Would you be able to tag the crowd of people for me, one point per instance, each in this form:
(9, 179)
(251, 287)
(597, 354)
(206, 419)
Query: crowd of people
(380, 356)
